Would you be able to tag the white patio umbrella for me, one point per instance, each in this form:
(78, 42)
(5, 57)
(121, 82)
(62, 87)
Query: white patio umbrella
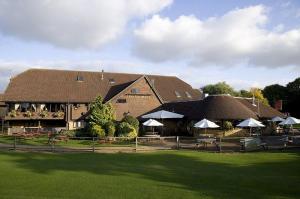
(204, 124)
(251, 123)
(277, 119)
(290, 121)
(152, 123)
(163, 115)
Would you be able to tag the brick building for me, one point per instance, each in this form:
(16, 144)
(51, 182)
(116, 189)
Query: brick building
(59, 98)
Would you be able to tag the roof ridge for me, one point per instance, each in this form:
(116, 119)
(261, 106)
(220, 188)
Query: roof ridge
(90, 71)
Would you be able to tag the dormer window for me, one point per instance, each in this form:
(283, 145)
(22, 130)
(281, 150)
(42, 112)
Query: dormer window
(177, 94)
(79, 78)
(135, 91)
(188, 94)
(111, 81)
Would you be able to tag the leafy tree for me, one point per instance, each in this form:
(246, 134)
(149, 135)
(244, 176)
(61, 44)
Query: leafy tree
(227, 125)
(257, 93)
(293, 97)
(219, 88)
(275, 92)
(102, 115)
(97, 131)
(132, 121)
(244, 93)
(110, 129)
(126, 130)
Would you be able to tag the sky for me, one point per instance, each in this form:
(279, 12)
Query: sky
(245, 43)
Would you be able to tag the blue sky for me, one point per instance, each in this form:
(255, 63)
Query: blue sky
(245, 43)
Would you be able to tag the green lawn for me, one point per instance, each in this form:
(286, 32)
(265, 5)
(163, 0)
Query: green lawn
(43, 141)
(166, 174)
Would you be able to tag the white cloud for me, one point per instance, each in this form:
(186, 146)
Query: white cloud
(239, 36)
(72, 23)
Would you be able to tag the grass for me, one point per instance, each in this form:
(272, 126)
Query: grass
(43, 141)
(167, 174)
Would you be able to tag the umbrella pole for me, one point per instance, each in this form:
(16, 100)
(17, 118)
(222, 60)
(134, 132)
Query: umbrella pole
(162, 128)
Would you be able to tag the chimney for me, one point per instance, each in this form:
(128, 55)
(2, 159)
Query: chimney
(152, 82)
(102, 74)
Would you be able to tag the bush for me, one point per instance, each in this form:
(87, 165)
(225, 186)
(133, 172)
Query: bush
(44, 113)
(132, 121)
(27, 114)
(227, 125)
(13, 113)
(126, 130)
(110, 129)
(59, 114)
(98, 131)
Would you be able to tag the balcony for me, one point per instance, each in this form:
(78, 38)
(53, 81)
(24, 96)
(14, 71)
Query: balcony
(28, 115)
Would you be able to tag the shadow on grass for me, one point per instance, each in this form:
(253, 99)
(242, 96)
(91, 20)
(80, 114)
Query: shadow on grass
(251, 175)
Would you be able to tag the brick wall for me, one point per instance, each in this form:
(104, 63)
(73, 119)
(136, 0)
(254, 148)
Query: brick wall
(136, 104)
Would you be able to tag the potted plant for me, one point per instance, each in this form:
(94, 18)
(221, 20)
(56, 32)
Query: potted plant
(12, 113)
(28, 114)
(59, 114)
(44, 114)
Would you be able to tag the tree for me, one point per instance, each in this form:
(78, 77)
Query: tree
(275, 92)
(244, 93)
(101, 115)
(257, 94)
(219, 88)
(293, 97)
(132, 121)
(126, 130)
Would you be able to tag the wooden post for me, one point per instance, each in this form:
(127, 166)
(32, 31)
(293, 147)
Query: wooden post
(177, 141)
(136, 143)
(93, 145)
(52, 144)
(15, 142)
(220, 143)
(2, 126)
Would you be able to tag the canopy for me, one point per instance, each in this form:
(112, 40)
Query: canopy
(250, 123)
(205, 124)
(163, 115)
(290, 121)
(152, 122)
(277, 119)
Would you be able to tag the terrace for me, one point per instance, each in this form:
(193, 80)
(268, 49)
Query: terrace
(32, 111)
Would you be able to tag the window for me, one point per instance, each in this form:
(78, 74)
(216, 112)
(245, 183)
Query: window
(121, 101)
(78, 124)
(177, 94)
(79, 78)
(135, 91)
(188, 94)
(111, 81)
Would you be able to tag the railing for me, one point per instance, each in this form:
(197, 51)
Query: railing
(62, 143)
(34, 115)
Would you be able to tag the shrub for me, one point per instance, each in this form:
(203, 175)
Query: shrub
(110, 129)
(27, 114)
(227, 125)
(44, 113)
(132, 121)
(13, 113)
(126, 130)
(59, 114)
(98, 131)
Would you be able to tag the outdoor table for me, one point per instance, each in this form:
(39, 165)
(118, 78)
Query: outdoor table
(206, 141)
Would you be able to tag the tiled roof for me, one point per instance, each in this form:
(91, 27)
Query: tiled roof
(41, 85)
